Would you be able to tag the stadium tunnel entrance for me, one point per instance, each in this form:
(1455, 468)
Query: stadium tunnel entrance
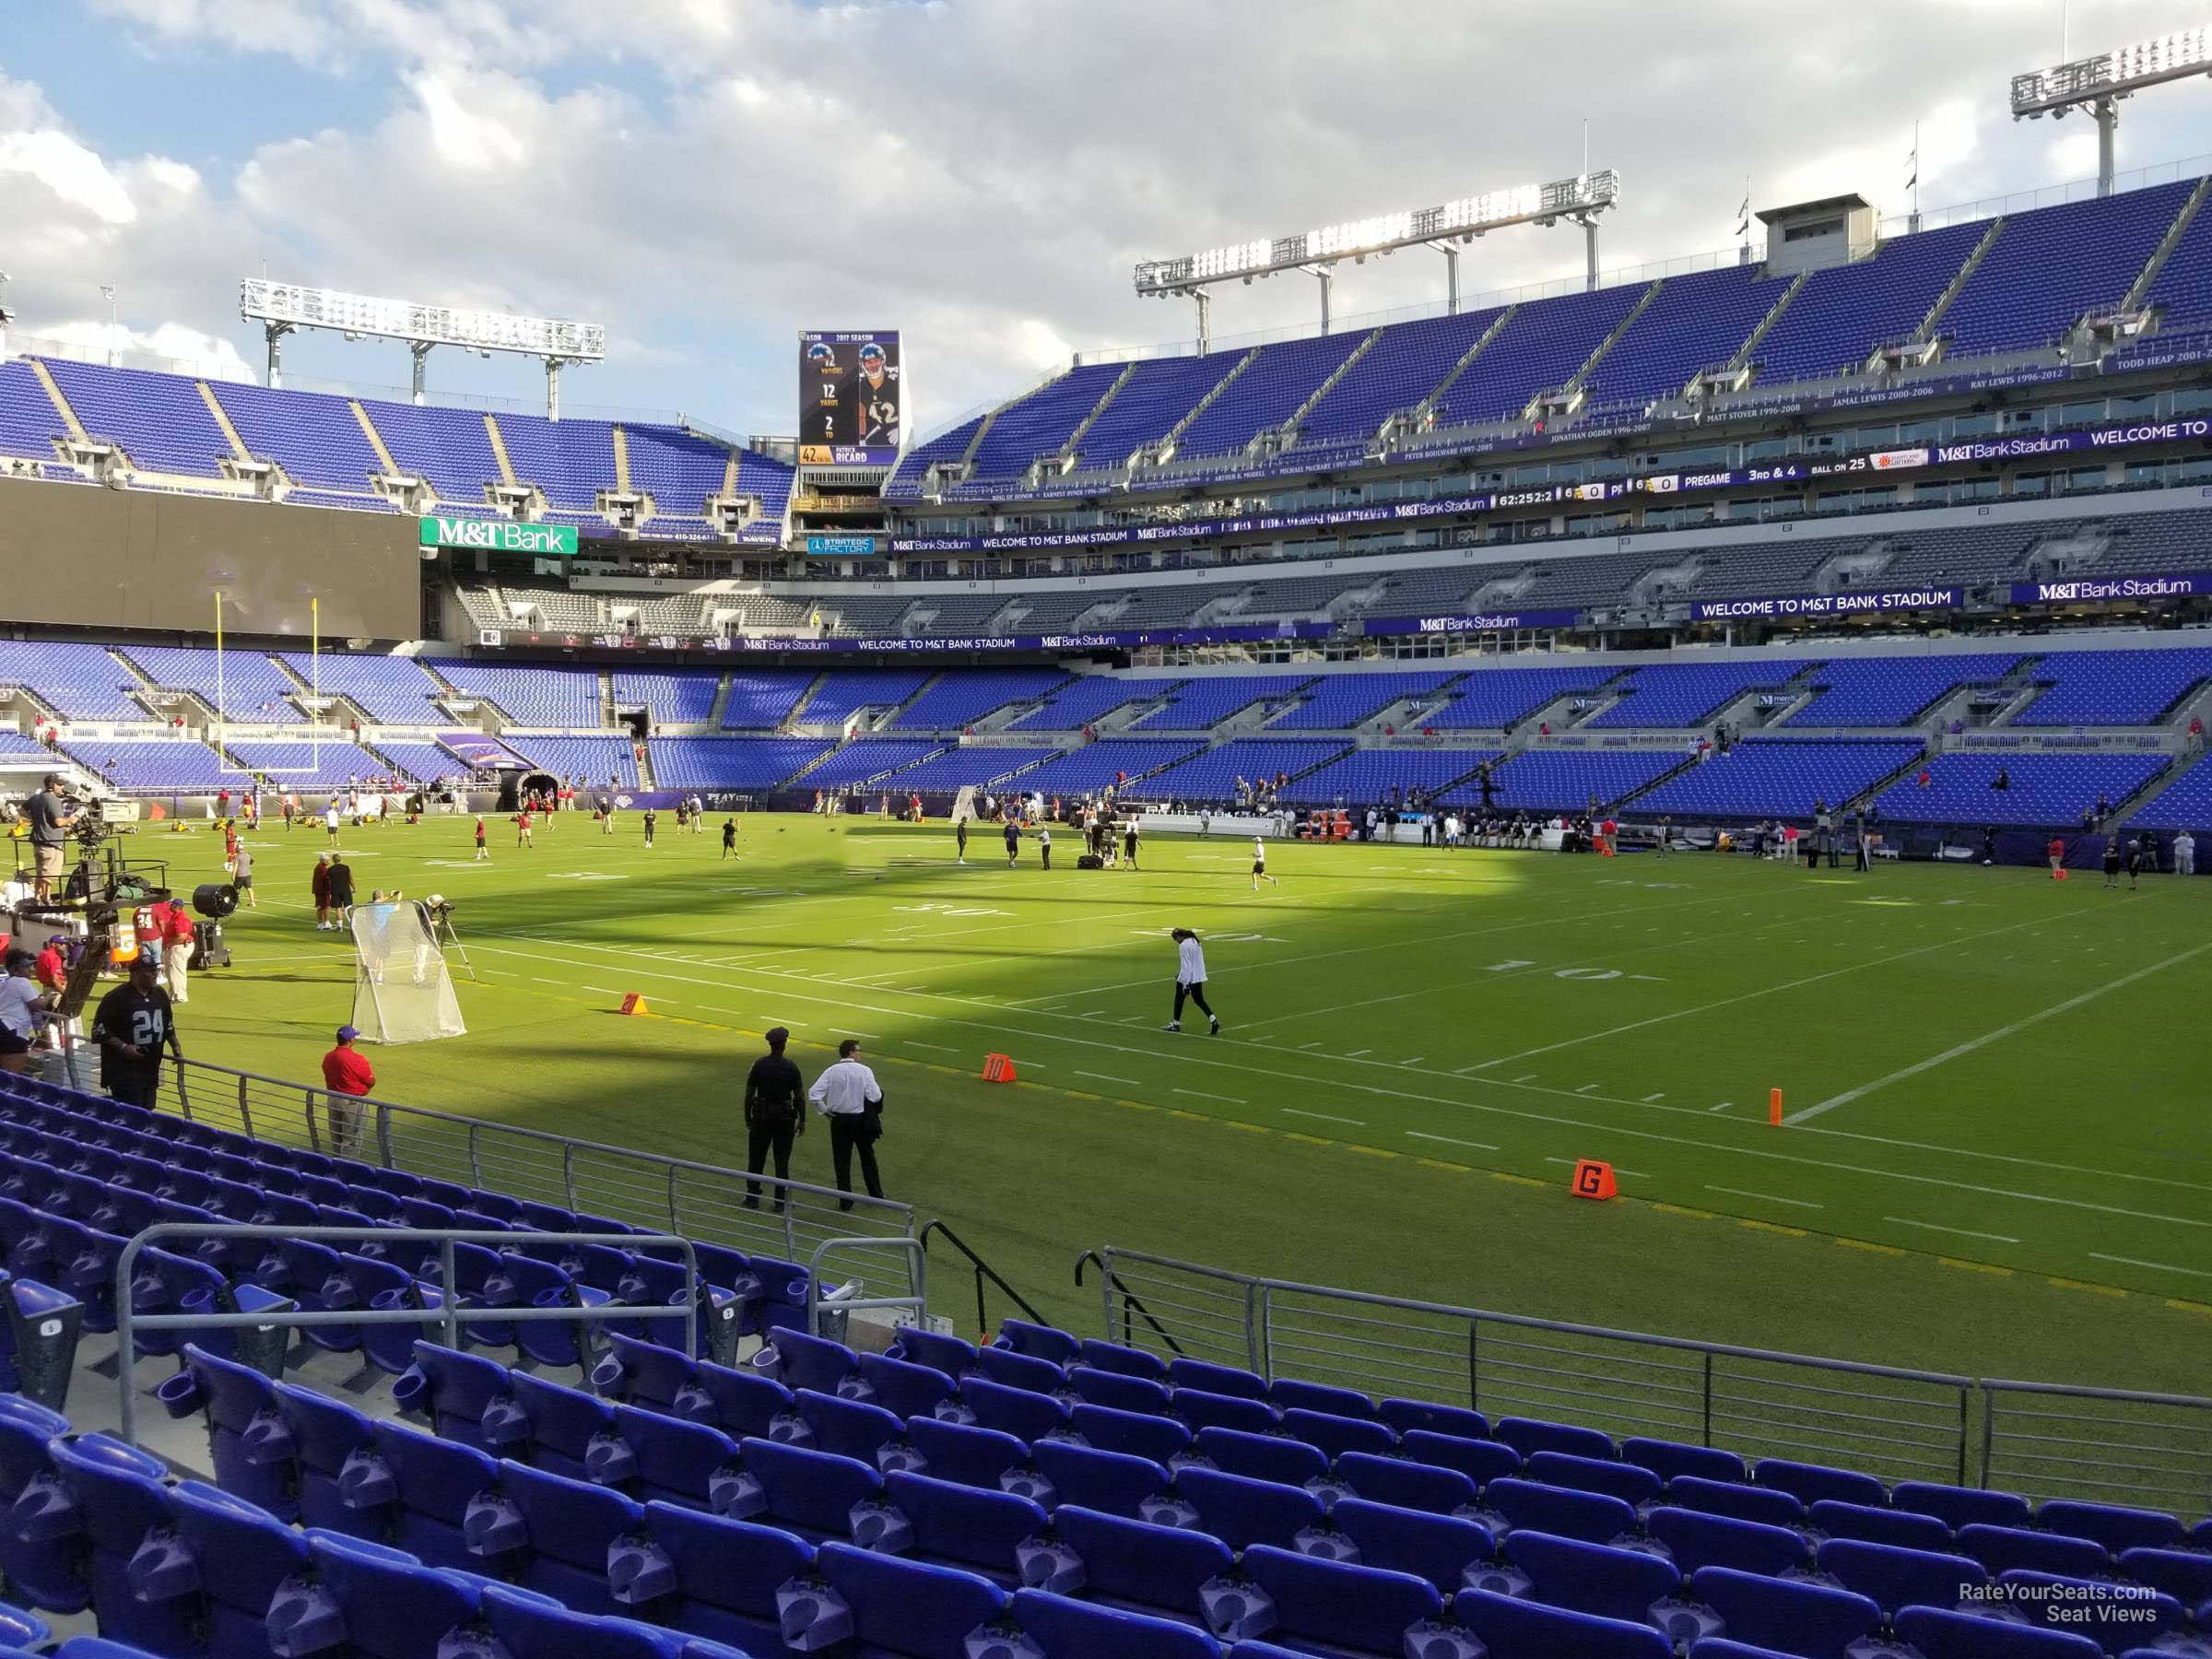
(514, 785)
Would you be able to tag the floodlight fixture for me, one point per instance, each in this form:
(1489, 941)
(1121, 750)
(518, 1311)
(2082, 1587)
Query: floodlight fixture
(1578, 200)
(2099, 83)
(283, 307)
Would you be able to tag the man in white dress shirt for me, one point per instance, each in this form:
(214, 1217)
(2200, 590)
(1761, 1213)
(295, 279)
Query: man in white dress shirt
(852, 1099)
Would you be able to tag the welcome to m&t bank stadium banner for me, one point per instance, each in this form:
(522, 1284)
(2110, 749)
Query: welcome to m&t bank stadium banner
(1824, 605)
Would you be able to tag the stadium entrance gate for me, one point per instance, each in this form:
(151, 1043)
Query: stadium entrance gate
(2042, 1439)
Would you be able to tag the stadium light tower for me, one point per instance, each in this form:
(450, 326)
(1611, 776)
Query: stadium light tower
(283, 307)
(2098, 84)
(1578, 200)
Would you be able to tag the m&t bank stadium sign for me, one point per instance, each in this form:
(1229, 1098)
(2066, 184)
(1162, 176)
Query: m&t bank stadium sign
(498, 536)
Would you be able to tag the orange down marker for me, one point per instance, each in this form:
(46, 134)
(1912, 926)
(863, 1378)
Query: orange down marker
(1593, 1180)
(998, 1068)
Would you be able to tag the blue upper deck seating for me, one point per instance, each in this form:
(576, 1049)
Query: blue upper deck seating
(242, 685)
(29, 422)
(1404, 366)
(2041, 790)
(1695, 323)
(2050, 268)
(1541, 347)
(571, 461)
(317, 439)
(1041, 423)
(449, 447)
(1842, 314)
(1159, 393)
(160, 421)
(1267, 394)
(390, 688)
(82, 681)
(2114, 687)
(1889, 692)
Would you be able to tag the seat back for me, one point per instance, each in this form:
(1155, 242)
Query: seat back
(907, 1606)
(1242, 1512)
(1437, 1547)
(1810, 1620)
(1591, 1516)
(1262, 1456)
(1125, 1560)
(1893, 1578)
(813, 1491)
(1696, 1539)
(1063, 1629)
(1593, 1578)
(1335, 1602)
(962, 1451)
(964, 1524)
(1524, 1629)
(1113, 1481)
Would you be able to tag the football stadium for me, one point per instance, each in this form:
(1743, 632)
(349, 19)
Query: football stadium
(1517, 977)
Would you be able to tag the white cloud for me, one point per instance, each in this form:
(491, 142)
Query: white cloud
(77, 178)
(708, 176)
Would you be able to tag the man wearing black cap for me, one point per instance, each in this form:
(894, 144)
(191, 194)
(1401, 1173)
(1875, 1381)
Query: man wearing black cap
(774, 1113)
(50, 815)
(134, 1024)
(348, 1074)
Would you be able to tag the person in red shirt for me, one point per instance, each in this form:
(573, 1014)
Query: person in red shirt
(176, 949)
(53, 972)
(521, 828)
(2057, 849)
(348, 1074)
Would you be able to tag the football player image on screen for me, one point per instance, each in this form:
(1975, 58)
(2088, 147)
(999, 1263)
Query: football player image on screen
(878, 395)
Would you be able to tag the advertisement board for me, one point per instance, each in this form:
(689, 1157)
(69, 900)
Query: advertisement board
(497, 536)
(852, 397)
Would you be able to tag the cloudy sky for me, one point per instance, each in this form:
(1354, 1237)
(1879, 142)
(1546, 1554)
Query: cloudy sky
(709, 176)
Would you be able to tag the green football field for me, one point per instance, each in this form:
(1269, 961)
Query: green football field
(1998, 1162)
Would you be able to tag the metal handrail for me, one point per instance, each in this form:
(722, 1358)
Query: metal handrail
(983, 1270)
(448, 1311)
(915, 1302)
(684, 1195)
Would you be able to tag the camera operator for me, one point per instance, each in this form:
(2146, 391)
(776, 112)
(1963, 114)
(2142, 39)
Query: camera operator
(50, 815)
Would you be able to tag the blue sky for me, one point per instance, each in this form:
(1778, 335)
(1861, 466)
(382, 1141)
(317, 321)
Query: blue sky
(708, 177)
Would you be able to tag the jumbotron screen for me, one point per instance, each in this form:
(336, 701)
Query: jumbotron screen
(850, 405)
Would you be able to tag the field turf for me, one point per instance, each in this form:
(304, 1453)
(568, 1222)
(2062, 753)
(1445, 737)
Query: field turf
(2000, 1161)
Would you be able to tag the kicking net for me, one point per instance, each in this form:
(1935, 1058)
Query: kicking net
(402, 992)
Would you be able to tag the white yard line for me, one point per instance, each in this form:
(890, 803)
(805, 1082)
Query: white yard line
(2154, 1266)
(1200, 1094)
(1446, 1140)
(1987, 1038)
(1963, 1232)
(1766, 1197)
(1324, 1116)
(1109, 1078)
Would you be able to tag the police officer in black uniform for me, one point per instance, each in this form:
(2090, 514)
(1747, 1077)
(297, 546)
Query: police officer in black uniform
(775, 1113)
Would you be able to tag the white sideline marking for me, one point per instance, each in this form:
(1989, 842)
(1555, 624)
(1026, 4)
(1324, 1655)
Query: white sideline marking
(1325, 1117)
(1998, 1035)
(1618, 1169)
(1910, 1177)
(1964, 1232)
(2154, 1266)
(1108, 1077)
(1200, 1094)
(1766, 1197)
(1447, 1141)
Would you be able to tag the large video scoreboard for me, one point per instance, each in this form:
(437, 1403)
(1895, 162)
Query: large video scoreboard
(851, 406)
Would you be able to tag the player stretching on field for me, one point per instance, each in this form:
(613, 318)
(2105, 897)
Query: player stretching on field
(959, 841)
(1259, 869)
(1190, 981)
